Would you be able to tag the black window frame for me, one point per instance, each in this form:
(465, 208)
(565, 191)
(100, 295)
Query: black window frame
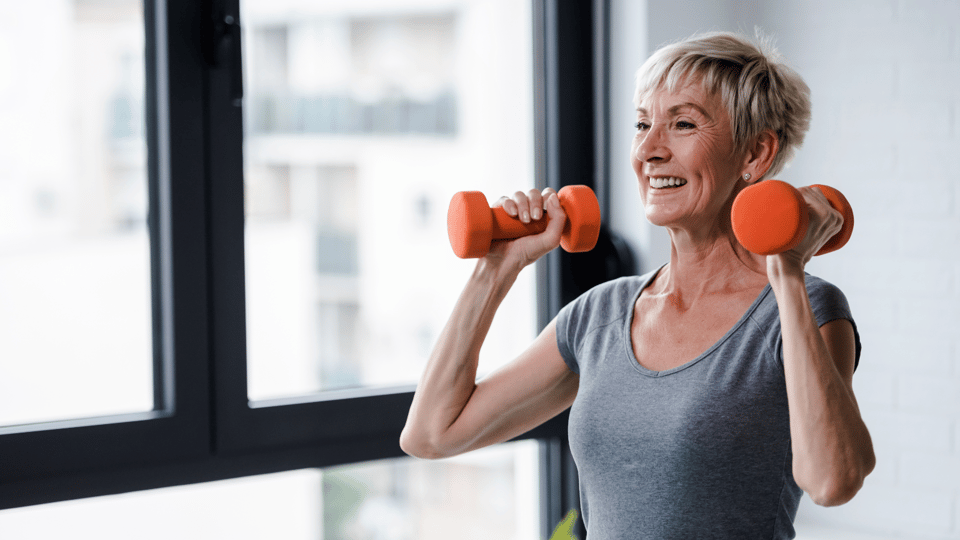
(204, 428)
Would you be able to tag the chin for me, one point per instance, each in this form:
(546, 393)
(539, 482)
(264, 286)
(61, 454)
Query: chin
(660, 219)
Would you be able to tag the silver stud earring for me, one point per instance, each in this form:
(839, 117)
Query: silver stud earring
(746, 177)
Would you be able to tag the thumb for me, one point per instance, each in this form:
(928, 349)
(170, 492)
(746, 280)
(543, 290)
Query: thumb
(558, 217)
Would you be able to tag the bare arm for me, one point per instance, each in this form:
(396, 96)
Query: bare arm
(452, 413)
(832, 448)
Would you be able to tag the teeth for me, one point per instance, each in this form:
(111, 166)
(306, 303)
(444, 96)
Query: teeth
(669, 181)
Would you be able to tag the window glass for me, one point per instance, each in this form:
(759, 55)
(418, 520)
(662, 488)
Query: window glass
(362, 120)
(490, 493)
(75, 313)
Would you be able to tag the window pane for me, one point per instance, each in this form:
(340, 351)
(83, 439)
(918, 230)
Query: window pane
(75, 315)
(490, 493)
(361, 122)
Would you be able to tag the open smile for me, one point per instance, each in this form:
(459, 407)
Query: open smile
(666, 182)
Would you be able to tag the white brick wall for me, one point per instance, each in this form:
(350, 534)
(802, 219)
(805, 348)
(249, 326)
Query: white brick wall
(892, 85)
(885, 79)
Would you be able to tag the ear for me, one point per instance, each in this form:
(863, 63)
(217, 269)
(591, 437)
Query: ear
(759, 155)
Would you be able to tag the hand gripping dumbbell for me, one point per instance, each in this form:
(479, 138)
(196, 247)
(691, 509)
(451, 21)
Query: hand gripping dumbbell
(472, 225)
(771, 217)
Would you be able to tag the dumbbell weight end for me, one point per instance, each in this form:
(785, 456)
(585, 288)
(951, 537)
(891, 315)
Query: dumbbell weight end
(582, 229)
(469, 224)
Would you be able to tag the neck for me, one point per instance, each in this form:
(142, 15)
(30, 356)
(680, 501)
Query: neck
(711, 264)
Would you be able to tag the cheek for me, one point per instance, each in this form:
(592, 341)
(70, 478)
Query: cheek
(715, 163)
(717, 154)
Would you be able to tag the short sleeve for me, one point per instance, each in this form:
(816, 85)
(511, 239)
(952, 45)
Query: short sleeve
(567, 321)
(830, 304)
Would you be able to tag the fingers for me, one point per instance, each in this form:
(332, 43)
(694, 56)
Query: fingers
(824, 216)
(530, 205)
(825, 221)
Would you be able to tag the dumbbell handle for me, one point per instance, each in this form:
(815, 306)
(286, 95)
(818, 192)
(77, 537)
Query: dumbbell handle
(507, 227)
(771, 217)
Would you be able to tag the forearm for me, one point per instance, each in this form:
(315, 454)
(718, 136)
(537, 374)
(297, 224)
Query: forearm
(832, 451)
(449, 378)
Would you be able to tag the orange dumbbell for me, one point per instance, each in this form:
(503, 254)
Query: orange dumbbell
(771, 217)
(472, 225)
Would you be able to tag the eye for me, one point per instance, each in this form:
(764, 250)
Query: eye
(642, 126)
(683, 124)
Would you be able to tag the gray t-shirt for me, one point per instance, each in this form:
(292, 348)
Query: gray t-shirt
(695, 452)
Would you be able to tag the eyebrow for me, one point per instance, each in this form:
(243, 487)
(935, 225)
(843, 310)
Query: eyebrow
(672, 111)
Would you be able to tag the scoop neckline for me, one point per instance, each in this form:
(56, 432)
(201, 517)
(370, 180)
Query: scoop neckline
(628, 337)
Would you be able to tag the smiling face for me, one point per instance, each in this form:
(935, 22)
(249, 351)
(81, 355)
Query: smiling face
(684, 157)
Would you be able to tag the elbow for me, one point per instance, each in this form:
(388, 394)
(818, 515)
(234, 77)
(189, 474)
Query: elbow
(418, 447)
(835, 495)
(412, 447)
(838, 485)
(840, 488)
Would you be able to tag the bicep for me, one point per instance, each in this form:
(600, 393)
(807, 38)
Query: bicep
(528, 391)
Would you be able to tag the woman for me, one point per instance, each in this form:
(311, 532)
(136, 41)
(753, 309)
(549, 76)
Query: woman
(707, 394)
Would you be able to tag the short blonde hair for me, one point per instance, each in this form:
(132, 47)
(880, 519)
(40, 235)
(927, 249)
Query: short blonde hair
(758, 89)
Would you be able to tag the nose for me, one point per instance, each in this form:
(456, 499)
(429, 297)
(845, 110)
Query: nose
(652, 145)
